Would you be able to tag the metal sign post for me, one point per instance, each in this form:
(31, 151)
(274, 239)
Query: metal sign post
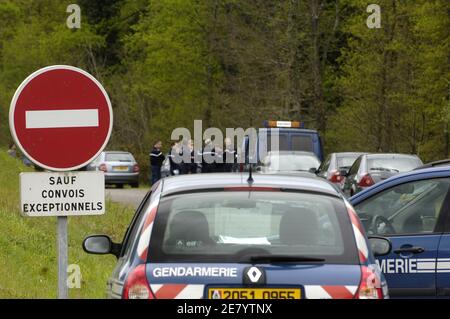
(62, 194)
(62, 257)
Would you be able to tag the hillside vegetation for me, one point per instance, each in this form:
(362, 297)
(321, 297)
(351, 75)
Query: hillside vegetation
(235, 63)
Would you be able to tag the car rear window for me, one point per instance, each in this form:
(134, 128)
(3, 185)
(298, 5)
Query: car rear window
(346, 160)
(398, 164)
(119, 157)
(230, 226)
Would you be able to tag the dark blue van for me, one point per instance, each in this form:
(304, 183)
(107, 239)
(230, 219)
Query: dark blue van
(291, 137)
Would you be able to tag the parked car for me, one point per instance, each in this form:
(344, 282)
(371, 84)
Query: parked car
(222, 236)
(289, 162)
(369, 169)
(413, 211)
(445, 162)
(336, 166)
(120, 168)
(165, 168)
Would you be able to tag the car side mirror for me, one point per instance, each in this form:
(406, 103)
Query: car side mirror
(380, 246)
(101, 245)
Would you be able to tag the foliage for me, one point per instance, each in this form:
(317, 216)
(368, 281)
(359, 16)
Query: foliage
(235, 63)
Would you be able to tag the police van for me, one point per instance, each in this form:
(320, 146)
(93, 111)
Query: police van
(291, 135)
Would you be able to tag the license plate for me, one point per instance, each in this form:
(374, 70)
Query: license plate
(254, 293)
(120, 168)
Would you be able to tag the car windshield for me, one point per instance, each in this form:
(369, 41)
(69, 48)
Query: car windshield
(396, 164)
(290, 162)
(119, 157)
(346, 160)
(238, 226)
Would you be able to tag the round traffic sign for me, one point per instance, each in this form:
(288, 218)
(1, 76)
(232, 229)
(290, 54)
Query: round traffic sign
(61, 118)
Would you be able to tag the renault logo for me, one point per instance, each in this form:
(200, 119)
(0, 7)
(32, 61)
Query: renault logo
(254, 275)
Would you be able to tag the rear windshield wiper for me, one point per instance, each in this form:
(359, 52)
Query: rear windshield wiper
(284, 258)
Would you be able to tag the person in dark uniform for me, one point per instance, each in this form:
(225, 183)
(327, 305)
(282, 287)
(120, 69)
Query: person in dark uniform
(156, 160)
(208, 151)
(219, 161)
(230, 156)
(12, 151)
(198, 165)
(185, 156)
(192, 166)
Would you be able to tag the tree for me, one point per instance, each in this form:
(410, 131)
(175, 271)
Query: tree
(36, 36)
(393, 81)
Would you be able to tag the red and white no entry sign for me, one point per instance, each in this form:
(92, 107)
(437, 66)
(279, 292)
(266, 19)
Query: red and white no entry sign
(61, 118)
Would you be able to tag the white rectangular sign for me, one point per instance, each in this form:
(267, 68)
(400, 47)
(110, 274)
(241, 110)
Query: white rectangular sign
(284, 124)
(62, 193)
(61, 118)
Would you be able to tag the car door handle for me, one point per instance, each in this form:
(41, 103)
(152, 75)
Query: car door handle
(414, 250)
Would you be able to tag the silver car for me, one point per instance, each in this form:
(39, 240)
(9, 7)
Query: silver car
(120, 168)
(165, 168)
(369, 169)
(336, 166)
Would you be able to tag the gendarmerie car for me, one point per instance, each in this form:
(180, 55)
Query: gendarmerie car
(412, 210)
(237, 236)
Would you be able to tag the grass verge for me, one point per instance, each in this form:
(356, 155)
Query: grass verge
(28, 261)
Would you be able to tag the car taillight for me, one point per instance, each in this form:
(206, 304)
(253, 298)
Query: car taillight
(136, 286)
(366, 181)
(370, 285)
(103, 168)
(136, 168)
(335, 177)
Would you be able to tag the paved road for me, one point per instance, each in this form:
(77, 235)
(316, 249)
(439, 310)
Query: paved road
(126, 196)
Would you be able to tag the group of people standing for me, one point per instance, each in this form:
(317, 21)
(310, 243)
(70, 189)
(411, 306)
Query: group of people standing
(183, 158)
